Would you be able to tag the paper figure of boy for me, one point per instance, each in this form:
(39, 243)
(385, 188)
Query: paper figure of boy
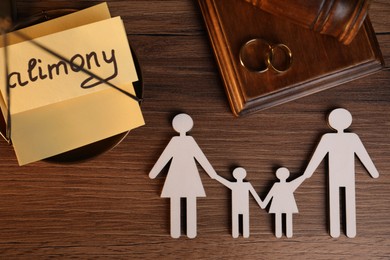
(283, 201)
(183, 180)
(341, 148)
(240, 200)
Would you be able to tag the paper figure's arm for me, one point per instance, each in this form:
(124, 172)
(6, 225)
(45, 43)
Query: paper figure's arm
(297, 182)
(223, 181)
(202, 160)
(319, 154)
(268, 197)
(165, 157)
(256, 196)
(364, 157)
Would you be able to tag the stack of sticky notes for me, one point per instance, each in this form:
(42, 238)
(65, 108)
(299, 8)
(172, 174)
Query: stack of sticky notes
(55, 106)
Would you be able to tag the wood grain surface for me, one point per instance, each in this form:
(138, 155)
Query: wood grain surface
(108, 208)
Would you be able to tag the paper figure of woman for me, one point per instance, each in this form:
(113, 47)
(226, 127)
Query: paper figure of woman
(183, 180)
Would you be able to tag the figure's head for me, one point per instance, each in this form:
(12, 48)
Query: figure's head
(340, 119)
(282, 173)
(182, 123)
(239, 173)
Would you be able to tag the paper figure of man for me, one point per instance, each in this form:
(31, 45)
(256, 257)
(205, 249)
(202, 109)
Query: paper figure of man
(283, 201)
(341, 148)
(183, 180)
(240, 200)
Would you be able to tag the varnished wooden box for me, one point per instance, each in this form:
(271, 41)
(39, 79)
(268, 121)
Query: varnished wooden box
(319, 61)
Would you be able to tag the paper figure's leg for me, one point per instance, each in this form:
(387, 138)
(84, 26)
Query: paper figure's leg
(278, 225)
(235, 223)
(289, 225)
(350, 207)
(245, 225)
(334, 211)
(175, 217)
(191, 217)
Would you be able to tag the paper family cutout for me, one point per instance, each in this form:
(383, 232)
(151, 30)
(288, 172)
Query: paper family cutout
(183, 180)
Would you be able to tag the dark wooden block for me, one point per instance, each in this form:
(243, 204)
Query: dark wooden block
(319, 61)
(7, 9)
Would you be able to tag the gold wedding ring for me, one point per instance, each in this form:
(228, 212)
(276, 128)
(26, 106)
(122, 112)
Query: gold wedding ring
(254, 55)
(280, 58)
(258, 56)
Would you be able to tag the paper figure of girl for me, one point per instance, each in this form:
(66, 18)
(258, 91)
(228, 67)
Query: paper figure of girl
(240, 200)
(183, 180)
(283, 201)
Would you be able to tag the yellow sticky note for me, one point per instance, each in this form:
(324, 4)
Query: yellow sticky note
(41, 78)
(55, 106)
(89, 15)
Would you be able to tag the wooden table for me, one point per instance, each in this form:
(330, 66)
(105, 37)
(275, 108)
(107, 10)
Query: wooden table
(109, 208)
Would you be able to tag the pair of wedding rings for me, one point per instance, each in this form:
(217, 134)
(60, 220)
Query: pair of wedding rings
(258, 56)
